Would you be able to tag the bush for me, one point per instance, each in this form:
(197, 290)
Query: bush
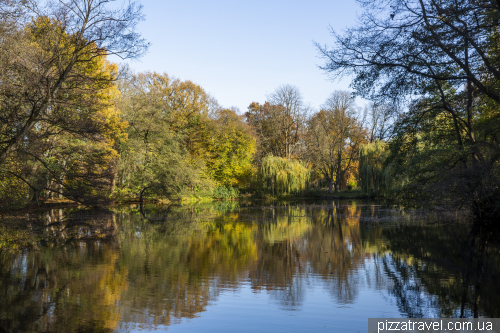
(351, 184)
(223, 192)
(13, 193)
(313, 192)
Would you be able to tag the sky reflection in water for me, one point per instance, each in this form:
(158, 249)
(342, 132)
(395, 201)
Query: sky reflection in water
(296, 268)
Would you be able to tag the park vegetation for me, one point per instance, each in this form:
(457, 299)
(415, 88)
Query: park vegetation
(76, 127)
(439, 62)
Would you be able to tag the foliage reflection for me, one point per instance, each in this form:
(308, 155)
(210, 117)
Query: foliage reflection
(154, 266)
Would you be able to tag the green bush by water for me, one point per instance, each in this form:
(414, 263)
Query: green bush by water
(223, 192)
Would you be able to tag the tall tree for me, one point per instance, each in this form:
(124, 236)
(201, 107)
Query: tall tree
(333, 138)
(227, 146)
(291, 118)
(263, 119)
(155, 158)
(70, 150)
(441, 59)
(379, 119)
(45, 54)
(279, 123)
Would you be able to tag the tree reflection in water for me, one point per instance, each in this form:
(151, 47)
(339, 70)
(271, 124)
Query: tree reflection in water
(154, 266)
(457, 265)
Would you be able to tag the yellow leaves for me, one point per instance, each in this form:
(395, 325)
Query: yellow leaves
(42, 30)
(176, 100)
(226, 146)
(13, 241)
(110, 287)
(226, 242)
(286, 230)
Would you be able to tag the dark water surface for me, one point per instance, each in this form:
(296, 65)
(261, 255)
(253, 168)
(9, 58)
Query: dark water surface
(298, 267)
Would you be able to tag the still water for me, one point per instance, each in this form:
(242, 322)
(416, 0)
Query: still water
(295, 267)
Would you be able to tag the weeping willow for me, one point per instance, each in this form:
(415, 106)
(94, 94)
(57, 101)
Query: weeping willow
(283, 175)
(373, 176)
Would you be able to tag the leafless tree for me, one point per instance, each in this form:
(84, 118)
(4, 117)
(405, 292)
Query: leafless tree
(379, 119)
(291, 118)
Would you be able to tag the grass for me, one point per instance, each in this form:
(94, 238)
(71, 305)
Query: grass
(194, 198)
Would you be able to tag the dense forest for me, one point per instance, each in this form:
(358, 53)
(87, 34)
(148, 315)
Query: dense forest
(75, 126)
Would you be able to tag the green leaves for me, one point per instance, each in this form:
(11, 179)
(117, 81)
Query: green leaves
(227, 147)
(282, 176)
(371, 166)
(176, 142)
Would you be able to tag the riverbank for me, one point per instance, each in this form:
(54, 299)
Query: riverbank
(193, 198)
(317, 195)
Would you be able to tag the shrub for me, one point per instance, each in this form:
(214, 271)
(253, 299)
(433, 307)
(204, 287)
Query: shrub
(223, 192)
(351, 184)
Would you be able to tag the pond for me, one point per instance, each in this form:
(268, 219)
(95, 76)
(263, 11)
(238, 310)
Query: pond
(292, 267)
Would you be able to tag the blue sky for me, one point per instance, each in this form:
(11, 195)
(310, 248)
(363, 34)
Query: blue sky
(239, 51)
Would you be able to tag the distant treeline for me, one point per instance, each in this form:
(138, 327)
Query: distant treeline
(75, 126)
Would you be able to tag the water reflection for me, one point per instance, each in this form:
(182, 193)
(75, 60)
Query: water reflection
(154, 266)
(456, 264)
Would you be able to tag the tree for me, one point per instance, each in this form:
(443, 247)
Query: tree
(227, 145)
(155, 157)
(57, 122)
(264, 119)
(279, 123)
(441, 60)
(333, 138)
(379, 120)
(44, 56)
(282, 176)
(404, 46)
(70, 150)
(373, 175)
(291, 118)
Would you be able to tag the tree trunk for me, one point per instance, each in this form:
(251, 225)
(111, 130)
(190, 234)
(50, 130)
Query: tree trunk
(34, 199)
(338, 177)
(141, 195)
(337, 212)
(49, 193)
(113, 185)
(330, 185)
(59, 189)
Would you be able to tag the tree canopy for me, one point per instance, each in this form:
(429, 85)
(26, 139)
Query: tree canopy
(333, 139)
(440, 61)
